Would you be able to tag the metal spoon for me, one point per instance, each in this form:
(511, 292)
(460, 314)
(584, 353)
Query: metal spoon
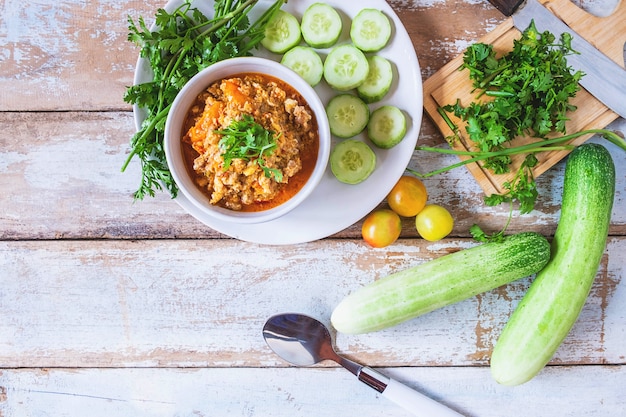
(304, 341)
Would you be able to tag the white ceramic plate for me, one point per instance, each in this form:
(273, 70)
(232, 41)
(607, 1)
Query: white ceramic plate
(333, 206)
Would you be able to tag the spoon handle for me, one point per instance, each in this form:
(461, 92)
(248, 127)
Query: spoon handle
(411, 400)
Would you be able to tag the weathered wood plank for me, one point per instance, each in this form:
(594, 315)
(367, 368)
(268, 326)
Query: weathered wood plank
(74, 55)
(67, 55)
(125, 318)
(60, 176)
(186, 303)
(573, 391)
(440, 30)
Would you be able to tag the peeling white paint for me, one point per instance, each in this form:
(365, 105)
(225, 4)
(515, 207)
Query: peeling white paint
(130, 316)
(8, 159)
(416, 4)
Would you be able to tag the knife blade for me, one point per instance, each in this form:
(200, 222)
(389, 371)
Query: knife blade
(603, 78)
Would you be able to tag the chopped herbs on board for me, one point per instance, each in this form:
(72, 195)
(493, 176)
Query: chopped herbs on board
(184, 42)
(527, 94)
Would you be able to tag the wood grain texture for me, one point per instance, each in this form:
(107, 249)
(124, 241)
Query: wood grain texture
(244, 392)
(73, 55)
(68, 54)
(607, 33)
(203, 303)
(110, 307)
(61, 178)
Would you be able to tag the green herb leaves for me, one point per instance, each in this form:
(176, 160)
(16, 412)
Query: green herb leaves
(245, 139)
(184, 43)
(531, 87)
(521, 188)
(528, 92)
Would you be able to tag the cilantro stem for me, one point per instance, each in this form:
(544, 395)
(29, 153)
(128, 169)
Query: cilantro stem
(539, 146)
(448, 121)
(485, 82)
(528, 92)
(145, 133)
(493, 93)
(479, 156)
(227, 17)
(613, 138)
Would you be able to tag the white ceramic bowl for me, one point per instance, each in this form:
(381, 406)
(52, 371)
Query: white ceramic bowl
(182, 104)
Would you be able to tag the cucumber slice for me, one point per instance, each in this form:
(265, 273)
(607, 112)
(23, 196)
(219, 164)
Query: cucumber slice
(345, 67)
(370, 30)
(352, 161)
(378, 81)
(321, 25)
(387, 127)
(306, 62)
(282, 33)
(347, 115)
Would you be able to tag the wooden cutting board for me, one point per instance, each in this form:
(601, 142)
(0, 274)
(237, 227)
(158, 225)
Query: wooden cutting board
(607, 34)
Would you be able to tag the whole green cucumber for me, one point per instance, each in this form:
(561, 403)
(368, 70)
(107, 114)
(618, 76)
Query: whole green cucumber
(549, 309)
(451, 278)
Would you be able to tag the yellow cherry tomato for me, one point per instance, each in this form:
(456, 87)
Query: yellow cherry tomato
(381, 228)
(434, 222)
(408, 197)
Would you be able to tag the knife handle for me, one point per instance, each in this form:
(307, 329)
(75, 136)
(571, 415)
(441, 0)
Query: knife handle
(507, 7)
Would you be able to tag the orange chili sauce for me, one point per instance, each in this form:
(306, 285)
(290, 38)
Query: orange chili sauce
(308, 151)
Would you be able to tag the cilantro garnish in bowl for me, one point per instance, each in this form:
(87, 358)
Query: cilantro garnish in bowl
(246, 139)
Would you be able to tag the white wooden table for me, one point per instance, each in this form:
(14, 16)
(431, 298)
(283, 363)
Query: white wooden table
(114, 308)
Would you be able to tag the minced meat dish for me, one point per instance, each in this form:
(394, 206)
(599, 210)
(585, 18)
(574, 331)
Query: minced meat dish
(274, 105)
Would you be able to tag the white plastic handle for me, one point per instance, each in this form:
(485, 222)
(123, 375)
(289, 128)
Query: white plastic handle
(416, 403)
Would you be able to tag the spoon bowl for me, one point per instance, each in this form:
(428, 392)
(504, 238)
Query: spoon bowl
(300, 340)
(304, 341)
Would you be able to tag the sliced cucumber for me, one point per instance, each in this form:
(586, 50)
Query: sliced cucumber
(370, 30)
(387, 126)
(352, 161)
(345, 67)
(348, 115)
(306, 62)
(282, 33)
(321, 25)
(378, 81)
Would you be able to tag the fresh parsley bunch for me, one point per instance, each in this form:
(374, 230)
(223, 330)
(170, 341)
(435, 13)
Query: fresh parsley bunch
(531, 87)
(184, 42)
(529, 90)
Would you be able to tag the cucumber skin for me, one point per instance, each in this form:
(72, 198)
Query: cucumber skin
(337, 164)
(440, 282)
(307, 36)
(386, 142)
(383, 38)
(366, 91)
(273, 47)
(549, 309)
(332, 108)
(314, 76)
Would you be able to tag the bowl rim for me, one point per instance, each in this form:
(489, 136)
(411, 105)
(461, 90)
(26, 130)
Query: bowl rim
(188, 94)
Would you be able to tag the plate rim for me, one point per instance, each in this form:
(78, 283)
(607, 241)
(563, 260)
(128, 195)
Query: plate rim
(291, 225)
